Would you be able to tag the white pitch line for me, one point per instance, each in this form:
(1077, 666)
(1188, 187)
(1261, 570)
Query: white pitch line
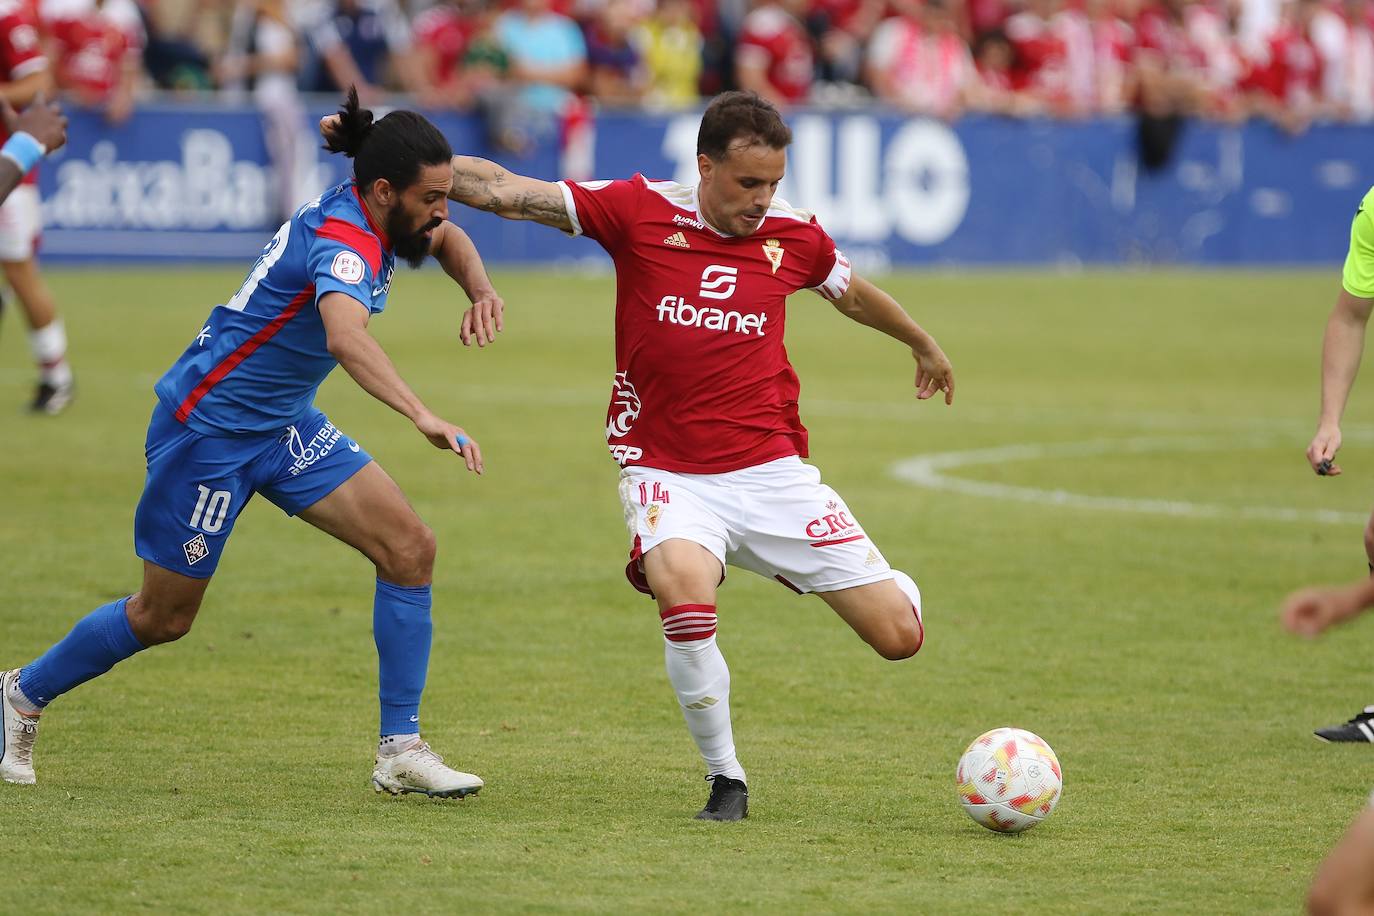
(927, 471)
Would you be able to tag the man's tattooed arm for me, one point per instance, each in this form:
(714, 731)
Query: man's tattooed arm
(487, 186)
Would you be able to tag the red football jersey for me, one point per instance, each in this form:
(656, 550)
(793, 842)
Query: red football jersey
(702, 381)
(772, 38)
(21, 52)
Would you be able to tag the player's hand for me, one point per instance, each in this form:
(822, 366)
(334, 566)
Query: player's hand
(1311, 611)
(329, 126)
(483, 321)
(44, 120)
(933, 373)
(1321, 453)
(443, 434)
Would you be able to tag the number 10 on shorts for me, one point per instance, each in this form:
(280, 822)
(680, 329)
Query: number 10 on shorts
(210, 509)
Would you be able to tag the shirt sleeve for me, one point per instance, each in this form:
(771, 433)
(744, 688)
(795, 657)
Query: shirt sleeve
(346, 259)
(830, 272)
(1358, 276)
(603, 211)
(20, 48)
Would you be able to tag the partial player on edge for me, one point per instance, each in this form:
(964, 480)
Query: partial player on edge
(1342, 349)
(235, 416)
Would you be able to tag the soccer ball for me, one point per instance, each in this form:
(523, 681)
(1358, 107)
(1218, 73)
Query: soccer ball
(1009, 780)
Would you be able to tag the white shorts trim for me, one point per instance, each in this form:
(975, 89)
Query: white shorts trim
(21, 222)
(775, 519)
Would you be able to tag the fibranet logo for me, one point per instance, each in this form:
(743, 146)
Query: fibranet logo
(676, 310)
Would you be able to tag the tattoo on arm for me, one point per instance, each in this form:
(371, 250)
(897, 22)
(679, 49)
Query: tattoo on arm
(486, 186)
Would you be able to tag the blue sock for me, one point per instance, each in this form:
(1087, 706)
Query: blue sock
(402, 629)
(98, 642)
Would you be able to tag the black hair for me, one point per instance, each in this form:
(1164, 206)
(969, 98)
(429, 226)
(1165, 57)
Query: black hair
(394, 148)
(735, 116)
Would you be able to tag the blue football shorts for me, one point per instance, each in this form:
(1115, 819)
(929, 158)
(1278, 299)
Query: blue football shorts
(197, 485)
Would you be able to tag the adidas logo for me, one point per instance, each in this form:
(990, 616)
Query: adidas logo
(677, 240)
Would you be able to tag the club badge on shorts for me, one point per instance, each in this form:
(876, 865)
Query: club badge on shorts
(196, 550)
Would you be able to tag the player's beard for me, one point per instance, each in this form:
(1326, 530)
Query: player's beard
(411, 246)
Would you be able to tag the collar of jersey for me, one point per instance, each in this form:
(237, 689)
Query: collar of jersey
(377, 230)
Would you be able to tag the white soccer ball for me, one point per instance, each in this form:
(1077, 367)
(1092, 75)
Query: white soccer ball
(1009, 780)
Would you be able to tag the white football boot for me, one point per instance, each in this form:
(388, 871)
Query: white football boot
(419, 769)
(16, 737)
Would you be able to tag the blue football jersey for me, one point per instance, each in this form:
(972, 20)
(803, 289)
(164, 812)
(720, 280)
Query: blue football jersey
(257, 362)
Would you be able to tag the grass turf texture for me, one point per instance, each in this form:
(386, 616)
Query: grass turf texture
(229, 772)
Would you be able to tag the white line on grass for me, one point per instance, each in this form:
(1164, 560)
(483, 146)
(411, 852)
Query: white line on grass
(928, 471)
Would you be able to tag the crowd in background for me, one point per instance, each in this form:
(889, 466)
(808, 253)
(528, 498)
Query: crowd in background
(1292, 61)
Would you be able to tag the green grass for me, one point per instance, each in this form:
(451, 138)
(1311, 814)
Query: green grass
(229, 772)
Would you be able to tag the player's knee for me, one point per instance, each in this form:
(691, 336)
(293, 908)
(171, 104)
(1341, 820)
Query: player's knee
(157, 621)
(903, 636)
(409, 558)
(1369, 539)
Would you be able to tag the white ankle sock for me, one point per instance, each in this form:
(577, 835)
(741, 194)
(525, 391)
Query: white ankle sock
(391, 745)
(49, 347)
(21, 702)
(701, 680)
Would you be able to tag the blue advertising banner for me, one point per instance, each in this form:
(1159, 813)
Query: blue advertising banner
(196, 183)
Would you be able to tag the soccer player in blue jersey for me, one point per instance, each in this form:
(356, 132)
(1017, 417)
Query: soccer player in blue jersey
(235, 416)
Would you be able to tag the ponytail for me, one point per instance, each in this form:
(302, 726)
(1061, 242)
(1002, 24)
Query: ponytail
(394, 148)
(355, 124)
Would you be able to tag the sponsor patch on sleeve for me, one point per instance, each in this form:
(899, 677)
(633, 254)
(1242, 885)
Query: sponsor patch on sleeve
(347, 266)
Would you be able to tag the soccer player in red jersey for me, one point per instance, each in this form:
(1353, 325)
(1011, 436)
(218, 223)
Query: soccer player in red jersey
(703, 417)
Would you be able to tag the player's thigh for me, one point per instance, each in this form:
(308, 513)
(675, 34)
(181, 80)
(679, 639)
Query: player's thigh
(881, 614)
(327, 479)
(1344, 882)
(801, 533)
(194, 490)
(678, 540)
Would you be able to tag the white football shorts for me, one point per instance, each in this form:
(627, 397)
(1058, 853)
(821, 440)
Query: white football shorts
(776, 519)
(21, 222)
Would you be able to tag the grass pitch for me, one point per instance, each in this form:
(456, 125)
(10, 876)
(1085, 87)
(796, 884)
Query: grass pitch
(229, 772)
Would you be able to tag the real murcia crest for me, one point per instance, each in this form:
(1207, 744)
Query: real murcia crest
(773, 250)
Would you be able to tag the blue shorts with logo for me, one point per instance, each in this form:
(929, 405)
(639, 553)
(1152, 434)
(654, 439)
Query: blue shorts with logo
(197, 485)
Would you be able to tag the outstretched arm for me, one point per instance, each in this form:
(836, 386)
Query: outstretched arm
(345, 326)
(454, 251)
(1341, 351)
(487, 186)
(1313, 610)
(868, 305)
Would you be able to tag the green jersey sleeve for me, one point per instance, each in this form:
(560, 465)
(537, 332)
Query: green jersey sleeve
(1358, 277)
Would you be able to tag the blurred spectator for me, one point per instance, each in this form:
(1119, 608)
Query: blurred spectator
(548, 55)
(1286, 86)
(1041, 64)
(672, 46)
(460, 57)
(773, 56)
(920, 64)
(616, 74)
(98, 47)
(170, 56)
(995, 61)
(263, 58)
(840, 30)
(358, 43)
(1344, 36)
(1097, 51)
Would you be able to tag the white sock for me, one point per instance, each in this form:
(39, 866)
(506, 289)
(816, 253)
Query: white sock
(391, 745)
(21, 702)
(908, 587)
(701, 679)
(49, 347)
